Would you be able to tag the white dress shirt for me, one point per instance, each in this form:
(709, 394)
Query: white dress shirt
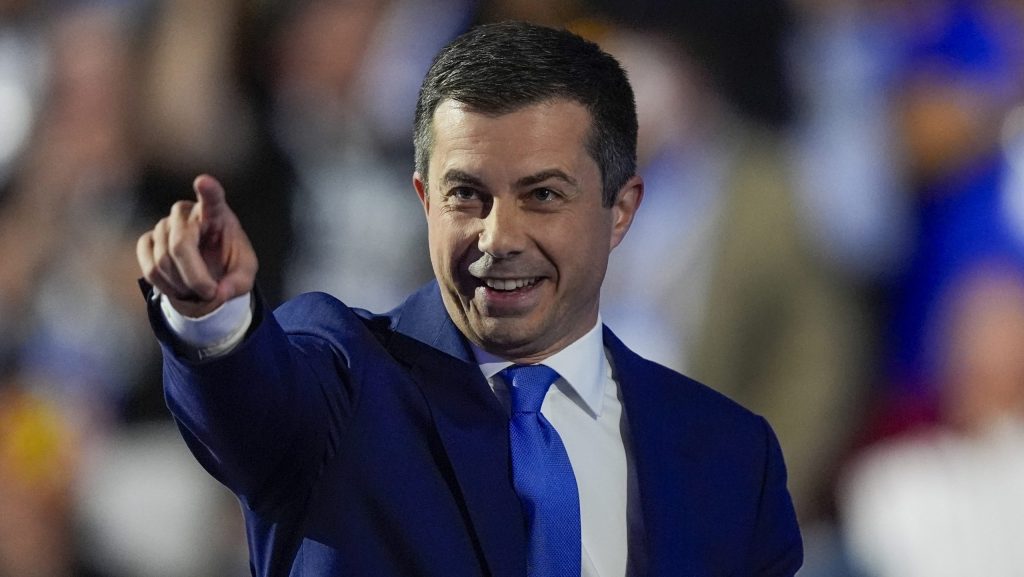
(583, 405)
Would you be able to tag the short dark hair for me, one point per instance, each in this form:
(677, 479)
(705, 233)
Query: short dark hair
(500, 68)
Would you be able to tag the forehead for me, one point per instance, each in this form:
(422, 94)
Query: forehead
(547, 132)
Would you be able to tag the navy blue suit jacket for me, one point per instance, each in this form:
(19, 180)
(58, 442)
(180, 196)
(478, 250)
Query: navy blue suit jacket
(369, 445)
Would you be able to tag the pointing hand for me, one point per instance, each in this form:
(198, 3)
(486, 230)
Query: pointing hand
(198, 255)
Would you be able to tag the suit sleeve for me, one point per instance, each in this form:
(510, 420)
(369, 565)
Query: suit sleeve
(777, 549)
(263, 418)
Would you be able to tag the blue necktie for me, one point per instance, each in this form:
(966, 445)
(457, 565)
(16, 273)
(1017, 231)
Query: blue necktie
(542, 476)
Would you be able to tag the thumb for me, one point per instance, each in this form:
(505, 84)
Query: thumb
(212, 207)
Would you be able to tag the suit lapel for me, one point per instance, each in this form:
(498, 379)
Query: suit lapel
(471, 423)
(665, 452)
(472, 426)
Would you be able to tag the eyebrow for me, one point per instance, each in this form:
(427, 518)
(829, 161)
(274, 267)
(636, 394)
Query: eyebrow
(456, 176)
(545, 175)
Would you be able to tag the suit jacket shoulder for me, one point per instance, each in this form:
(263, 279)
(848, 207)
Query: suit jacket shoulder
(717, 465)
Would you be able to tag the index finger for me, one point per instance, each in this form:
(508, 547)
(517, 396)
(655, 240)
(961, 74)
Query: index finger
(210, 194)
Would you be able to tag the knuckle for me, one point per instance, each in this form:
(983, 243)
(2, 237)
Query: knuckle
(181, 207)
(159, 247)
(164, 262)
(142, 245)
(178, 247)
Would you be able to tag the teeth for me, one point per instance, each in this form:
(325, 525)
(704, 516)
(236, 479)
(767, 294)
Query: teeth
(509, 284)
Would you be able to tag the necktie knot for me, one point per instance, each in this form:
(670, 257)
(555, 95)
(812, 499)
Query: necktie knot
(527, 386)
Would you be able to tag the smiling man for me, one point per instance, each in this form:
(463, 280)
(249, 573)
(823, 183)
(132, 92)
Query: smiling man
(519, 230)
(490, 425)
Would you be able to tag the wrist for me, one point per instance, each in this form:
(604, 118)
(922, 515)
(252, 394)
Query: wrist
(214, 333)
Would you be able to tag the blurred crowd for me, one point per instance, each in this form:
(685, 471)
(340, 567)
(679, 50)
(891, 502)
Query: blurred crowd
(832, 234)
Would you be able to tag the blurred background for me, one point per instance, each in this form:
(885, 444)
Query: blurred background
(832, 234)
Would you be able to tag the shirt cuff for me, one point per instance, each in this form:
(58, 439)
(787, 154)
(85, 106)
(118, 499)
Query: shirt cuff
(216, 333)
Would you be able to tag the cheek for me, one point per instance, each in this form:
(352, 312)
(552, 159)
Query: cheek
(440, 255)
(586, 237)
(585, 254)
(449, 240)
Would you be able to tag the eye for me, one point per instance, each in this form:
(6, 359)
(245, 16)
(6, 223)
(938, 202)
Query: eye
(464, 193)
(543, 194)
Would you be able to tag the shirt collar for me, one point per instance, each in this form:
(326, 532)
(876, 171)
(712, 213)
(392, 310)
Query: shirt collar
(582, 365)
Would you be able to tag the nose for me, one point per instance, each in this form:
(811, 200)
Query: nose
(503, 233)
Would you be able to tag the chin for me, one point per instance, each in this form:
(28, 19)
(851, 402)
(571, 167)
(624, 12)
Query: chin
(505, 336)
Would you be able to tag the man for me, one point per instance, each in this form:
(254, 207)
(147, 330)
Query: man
(402, 444)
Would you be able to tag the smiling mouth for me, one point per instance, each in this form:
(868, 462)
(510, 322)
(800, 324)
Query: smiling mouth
(507, 297)
(508, 284)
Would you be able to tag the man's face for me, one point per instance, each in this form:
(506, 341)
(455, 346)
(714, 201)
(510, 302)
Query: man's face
(519, 239)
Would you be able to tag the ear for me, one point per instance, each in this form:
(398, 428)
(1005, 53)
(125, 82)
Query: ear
(421, 191)
(627, 202)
